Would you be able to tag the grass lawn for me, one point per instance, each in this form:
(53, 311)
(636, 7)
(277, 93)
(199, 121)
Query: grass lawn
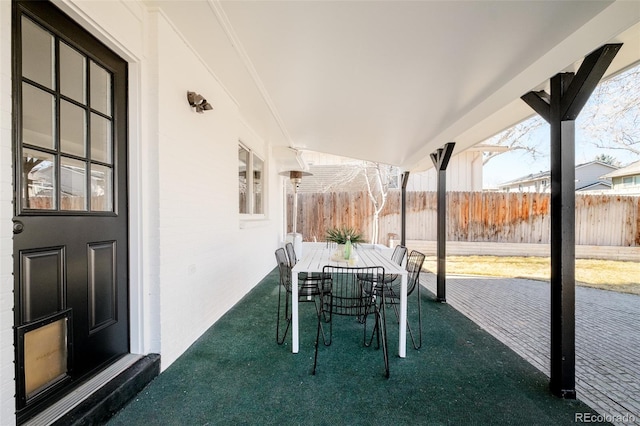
(604, 274)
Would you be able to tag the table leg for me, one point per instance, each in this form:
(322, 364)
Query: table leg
(402, 343)
(294, 313)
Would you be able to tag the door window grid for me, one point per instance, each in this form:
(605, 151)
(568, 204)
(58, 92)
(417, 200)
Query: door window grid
(55, 113)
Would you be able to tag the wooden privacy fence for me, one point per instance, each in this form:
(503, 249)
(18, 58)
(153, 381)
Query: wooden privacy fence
(604, 220)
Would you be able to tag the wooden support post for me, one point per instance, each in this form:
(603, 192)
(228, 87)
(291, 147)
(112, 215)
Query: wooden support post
(569, 93)
(440, 160)
(562, 245)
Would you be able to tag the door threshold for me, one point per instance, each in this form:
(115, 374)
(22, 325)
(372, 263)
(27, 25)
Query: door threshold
(68, 405)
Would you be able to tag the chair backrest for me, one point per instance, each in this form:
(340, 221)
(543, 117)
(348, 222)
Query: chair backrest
(347, 296)
(398, 254)
(414, 267)
(284, 268)
(291, 253)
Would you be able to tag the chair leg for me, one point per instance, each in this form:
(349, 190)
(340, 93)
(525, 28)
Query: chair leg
(318, 330)
(322, 315)
(363, 320)
(392, 302)
(315, 356)
(330, 321)
(376, 330)
(375, 302)
(382, 317)
(419, 345)
(380, 331)
(287, 318)
(395, 309)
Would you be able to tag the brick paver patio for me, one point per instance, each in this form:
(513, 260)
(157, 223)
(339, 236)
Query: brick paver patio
(516, 311)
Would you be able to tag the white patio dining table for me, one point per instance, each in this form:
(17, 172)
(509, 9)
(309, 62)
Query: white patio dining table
(316, 255)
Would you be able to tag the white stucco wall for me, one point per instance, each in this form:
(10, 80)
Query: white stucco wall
(192, 257)
(207, 263)
(464, 173)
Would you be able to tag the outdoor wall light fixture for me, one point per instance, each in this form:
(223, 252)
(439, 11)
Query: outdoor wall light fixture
(198, 102)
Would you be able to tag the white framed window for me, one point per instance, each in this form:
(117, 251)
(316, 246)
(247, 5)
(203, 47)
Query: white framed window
(251, 182)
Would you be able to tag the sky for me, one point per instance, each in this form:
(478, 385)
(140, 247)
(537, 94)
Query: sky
(511, 165)
(515, 164)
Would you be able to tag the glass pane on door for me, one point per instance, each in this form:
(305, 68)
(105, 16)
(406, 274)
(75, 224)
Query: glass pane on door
(38, 120)
(73, 184)
(72, 74)
(38, 191)
(100, 89)
(101, 143)
(101, 188)
(37, 54)
(72, 129)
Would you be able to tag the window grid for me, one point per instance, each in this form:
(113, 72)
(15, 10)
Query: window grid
(251, 183)
(75, 174)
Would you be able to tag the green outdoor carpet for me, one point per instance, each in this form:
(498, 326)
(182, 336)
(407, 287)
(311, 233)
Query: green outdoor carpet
(237, 374)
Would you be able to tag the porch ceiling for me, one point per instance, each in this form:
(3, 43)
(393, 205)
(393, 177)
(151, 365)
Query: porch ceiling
(391, 81)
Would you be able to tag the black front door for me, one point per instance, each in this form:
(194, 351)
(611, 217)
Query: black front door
(70, 224)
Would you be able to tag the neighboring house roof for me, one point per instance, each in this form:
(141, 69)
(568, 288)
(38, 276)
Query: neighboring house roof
(589, 163)
(596, 186)
(546, 174)
(630, 170)
(528, 178)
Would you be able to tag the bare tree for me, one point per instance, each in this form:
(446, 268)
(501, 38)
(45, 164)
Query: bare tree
(348, 173)
(518, 138)
(612, 115)
(378, 177)
(610, 120)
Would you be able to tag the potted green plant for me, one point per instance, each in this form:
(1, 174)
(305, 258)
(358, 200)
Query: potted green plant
(341, 234)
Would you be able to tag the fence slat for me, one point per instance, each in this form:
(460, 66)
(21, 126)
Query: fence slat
(601, 220)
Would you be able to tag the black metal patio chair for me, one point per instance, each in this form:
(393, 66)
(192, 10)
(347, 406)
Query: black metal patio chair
(308, 291)
(391, 292)
(347, 298)
(399, 253)
(293, 259)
